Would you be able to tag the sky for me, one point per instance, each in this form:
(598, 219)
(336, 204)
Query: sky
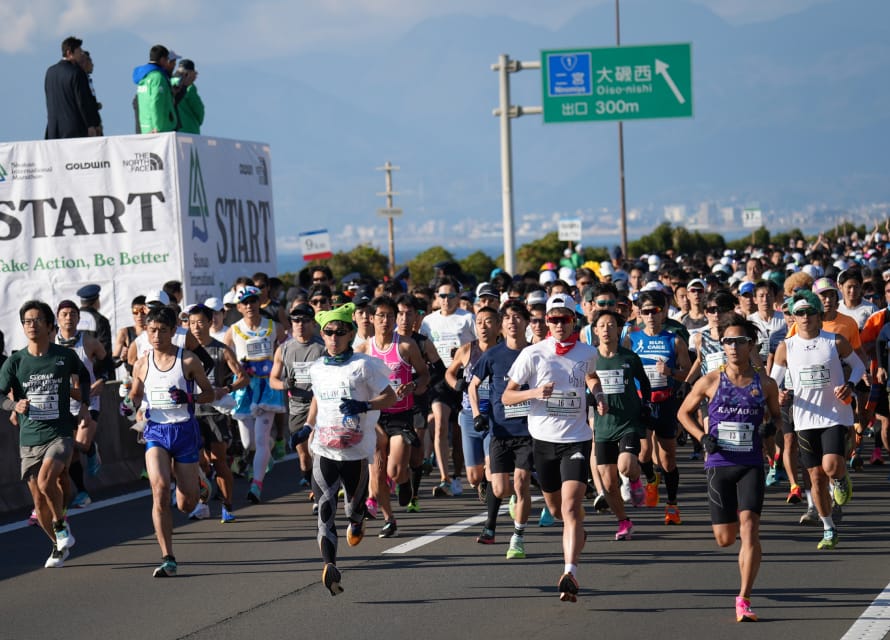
(268, 28)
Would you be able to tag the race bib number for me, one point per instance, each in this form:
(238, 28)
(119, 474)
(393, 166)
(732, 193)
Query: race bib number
(814, 376)
(301, 372)
(43, 406)
(735, 436)
(484, 391)
(445, 346)
(564, 404)
(159, 398)
(714, 360)
(517, 410)
(259, 348)
(612, 380)
(657, 380)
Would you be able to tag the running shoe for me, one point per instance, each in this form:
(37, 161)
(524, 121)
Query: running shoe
(278, 451)
(743, 611)
(568, 588)
(388, 530)
(413, 506)
(842, 490)
(405, 494)
(64, 538)
(625, 530)
(203, 487)
(200, 512)
(482, 491)
(371, 509)
(341, 493)
(637, 493)
(315, 508)
(442, 490)
(330, 578)
(829, 539)
(771, 476)
(781, 476)
(625, 489)
(811, 517)
(253, 494)
(166, 570)
(32, 519)
(355, 532)
(486, 537)
(877, 456)
(590, 492)
(511, 507)
(546, 518)
(795, 495)
(652, 492)
(672, 514)
(600, 503)
(81, 500)
(516, 550)
(94, 462)
(856, 463)
(426, 467)
(57, 558)
(457, 488)
(227, 516)
(303, 483)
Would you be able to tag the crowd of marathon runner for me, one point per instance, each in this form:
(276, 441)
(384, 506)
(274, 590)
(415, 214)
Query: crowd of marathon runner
(580, 380)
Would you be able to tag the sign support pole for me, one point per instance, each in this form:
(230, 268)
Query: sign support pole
(621, 151)
(389, 193)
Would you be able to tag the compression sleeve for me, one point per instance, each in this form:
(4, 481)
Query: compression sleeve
(857, 368)
(778, 374)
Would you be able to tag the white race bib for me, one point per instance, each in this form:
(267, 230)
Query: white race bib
(612, 380)
(814, 376)
(564, 404)
(735, 436)
(516, 410)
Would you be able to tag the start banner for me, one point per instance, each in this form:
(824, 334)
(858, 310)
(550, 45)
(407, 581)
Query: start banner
(130, 213)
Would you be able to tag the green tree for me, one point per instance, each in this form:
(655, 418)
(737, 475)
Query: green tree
(479, 264)
(530, 256)
(364, 259)
(421, 266)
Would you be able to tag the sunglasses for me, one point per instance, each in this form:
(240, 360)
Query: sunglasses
(559, 320)
(537, 321)
(319, 301)
(871, 296)
(300, 319)
(605, 303)
(805, 312)
(450, 296)
(335, 332)
(650, 311)
(735, 341)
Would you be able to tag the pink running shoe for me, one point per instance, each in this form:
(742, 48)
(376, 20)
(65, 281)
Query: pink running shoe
(637, 493)
(743, 611)
(371, 507)
(625, 530)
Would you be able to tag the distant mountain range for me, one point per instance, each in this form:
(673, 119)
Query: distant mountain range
(789, 112)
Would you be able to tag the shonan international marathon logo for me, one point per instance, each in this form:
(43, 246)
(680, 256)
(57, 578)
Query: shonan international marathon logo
(144, 162)
(197, 198)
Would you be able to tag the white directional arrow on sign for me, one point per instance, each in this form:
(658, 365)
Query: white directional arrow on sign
(661, 69)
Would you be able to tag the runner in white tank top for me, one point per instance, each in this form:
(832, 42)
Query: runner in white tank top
(814, 361)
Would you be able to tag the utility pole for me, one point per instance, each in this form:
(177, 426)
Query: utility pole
(621, 151)
(505, 112)
(390, 212)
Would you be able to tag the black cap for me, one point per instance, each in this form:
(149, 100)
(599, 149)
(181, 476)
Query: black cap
(186, 64)
(89, 292)
(486, 290)
(362, 297)
(302, 309)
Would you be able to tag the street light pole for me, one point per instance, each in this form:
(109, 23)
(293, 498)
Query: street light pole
(505, 112)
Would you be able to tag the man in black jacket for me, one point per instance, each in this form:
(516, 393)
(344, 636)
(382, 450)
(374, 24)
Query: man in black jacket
(70, 106)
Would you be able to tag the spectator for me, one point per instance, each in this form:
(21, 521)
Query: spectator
(70, 106)
(189, 105)
(155, 110)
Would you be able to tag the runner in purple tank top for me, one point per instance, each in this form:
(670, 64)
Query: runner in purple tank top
(739, 395)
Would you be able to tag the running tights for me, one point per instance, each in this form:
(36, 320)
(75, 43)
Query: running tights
(327, 475)
(256, 433)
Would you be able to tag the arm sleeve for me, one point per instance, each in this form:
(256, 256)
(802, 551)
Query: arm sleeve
(778, 374)
(857, 368)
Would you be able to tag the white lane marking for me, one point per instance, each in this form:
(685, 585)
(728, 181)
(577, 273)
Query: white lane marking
(874, 623)
(416, 543)
(103, 504)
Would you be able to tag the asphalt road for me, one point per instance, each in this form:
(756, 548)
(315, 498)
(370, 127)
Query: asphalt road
(260, 577)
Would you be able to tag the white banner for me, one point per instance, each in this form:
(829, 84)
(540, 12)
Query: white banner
(110, 211)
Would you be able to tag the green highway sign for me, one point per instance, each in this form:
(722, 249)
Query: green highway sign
(617, 83)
